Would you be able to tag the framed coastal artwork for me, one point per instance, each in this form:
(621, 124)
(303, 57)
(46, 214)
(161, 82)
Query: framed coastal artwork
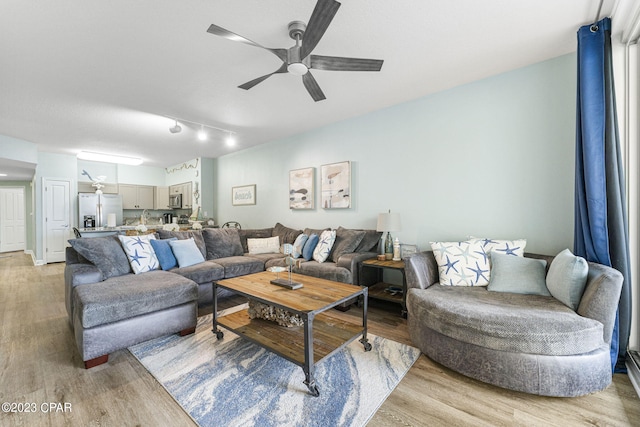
(243, 195)
(301, 194)
(336, 185)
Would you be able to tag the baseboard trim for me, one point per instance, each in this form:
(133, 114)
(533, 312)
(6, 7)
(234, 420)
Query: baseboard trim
(33, 258)
(633, 369)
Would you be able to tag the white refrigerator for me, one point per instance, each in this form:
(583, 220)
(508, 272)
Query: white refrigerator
(93, 209)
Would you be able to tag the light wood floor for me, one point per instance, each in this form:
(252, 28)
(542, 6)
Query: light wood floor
(39, 364)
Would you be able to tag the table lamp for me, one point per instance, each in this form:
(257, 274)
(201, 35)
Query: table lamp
(388, 222)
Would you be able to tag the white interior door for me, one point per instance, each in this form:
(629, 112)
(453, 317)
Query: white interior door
(12, 219)
(57, 218)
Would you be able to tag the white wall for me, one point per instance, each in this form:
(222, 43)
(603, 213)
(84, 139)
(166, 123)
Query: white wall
(492, 158)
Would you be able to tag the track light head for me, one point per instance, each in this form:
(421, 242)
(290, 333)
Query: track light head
(175, 129)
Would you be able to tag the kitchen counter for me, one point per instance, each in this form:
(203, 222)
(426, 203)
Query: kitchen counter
(124, 229)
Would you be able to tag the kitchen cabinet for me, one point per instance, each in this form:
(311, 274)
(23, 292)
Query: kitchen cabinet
(136, 196)
(187, 193)
(161, 202)
(87, 187)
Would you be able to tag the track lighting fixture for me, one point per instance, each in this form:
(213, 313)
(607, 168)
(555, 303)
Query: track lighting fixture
(175, 129)
(202, 132)
(202, 135)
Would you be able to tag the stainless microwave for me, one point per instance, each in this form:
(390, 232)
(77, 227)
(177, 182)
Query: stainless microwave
(175, 201)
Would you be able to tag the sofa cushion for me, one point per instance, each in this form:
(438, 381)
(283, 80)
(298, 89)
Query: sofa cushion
(267, 245)
(204, 272)
(186, 252)
(531, 324)
(462, 263)
(240, 265)
(165, 255)
(106, 253)
(127, 296)
(370, 241)
(310, 246)
(518, 275)
(142, 257)
(255, 233)
(324, 270)
(286, 234)
(567, 278)
(222, 242)
(346, 242)
(182, 235)
(324, 246)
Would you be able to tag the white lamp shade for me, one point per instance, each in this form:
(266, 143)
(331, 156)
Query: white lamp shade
(388, 221)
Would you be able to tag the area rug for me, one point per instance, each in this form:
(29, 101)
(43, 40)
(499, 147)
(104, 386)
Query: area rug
(233, 382)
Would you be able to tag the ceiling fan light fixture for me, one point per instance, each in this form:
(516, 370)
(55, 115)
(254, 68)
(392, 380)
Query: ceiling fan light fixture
(297, 68)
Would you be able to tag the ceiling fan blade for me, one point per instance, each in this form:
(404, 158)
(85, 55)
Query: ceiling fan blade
(336, 63)
(320, 19)
(219, 31)
(252, 83)
(312, 87)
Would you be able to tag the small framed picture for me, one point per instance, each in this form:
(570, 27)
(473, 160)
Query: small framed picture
(406, 250)
(301, 194)
(243, 195)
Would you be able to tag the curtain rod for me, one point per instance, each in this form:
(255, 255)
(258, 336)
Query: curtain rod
(594, 26)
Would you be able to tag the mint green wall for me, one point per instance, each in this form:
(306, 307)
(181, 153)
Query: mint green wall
(207, 187)
(491, 158)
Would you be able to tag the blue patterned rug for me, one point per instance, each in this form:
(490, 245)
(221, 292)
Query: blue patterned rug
(236, 383)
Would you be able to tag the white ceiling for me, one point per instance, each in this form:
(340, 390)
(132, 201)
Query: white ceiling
(103, 75)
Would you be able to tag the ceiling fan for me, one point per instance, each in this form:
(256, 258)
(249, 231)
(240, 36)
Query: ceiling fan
(298, 59)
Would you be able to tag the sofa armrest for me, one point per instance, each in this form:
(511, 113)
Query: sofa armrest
(351, 261)
(601, 297)
(421, 270)
(78, 274)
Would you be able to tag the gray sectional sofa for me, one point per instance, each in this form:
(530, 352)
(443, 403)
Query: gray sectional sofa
(111, 308)
(529, 343)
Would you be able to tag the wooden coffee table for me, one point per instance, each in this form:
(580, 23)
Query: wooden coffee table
(321, 335)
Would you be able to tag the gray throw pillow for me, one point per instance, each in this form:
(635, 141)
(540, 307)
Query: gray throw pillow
(567, 278)
(346, 242)
(518, 275)
(183, 235)
(106, 253)
(222, 242)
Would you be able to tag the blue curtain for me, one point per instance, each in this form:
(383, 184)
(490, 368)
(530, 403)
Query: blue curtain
(600, 208)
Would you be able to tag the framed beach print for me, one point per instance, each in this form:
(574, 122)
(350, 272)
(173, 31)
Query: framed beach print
(336, 185)
(243, 195)
(301, 194)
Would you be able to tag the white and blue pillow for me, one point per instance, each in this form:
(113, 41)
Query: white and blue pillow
(505, 247)
(325, 243)
(140, 253)
(298, 245)
(462, 263)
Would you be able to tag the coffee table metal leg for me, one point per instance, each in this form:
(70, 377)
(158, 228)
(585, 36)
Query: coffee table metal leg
(215, 330)
(309, 366)
(365, 299)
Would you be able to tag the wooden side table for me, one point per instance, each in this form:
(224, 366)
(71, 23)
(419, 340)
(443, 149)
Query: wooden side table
(379, 290)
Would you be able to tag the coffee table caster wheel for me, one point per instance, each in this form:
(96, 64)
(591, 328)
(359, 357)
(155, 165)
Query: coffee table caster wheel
(313, 389)
(219, 335)
(367, 346)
